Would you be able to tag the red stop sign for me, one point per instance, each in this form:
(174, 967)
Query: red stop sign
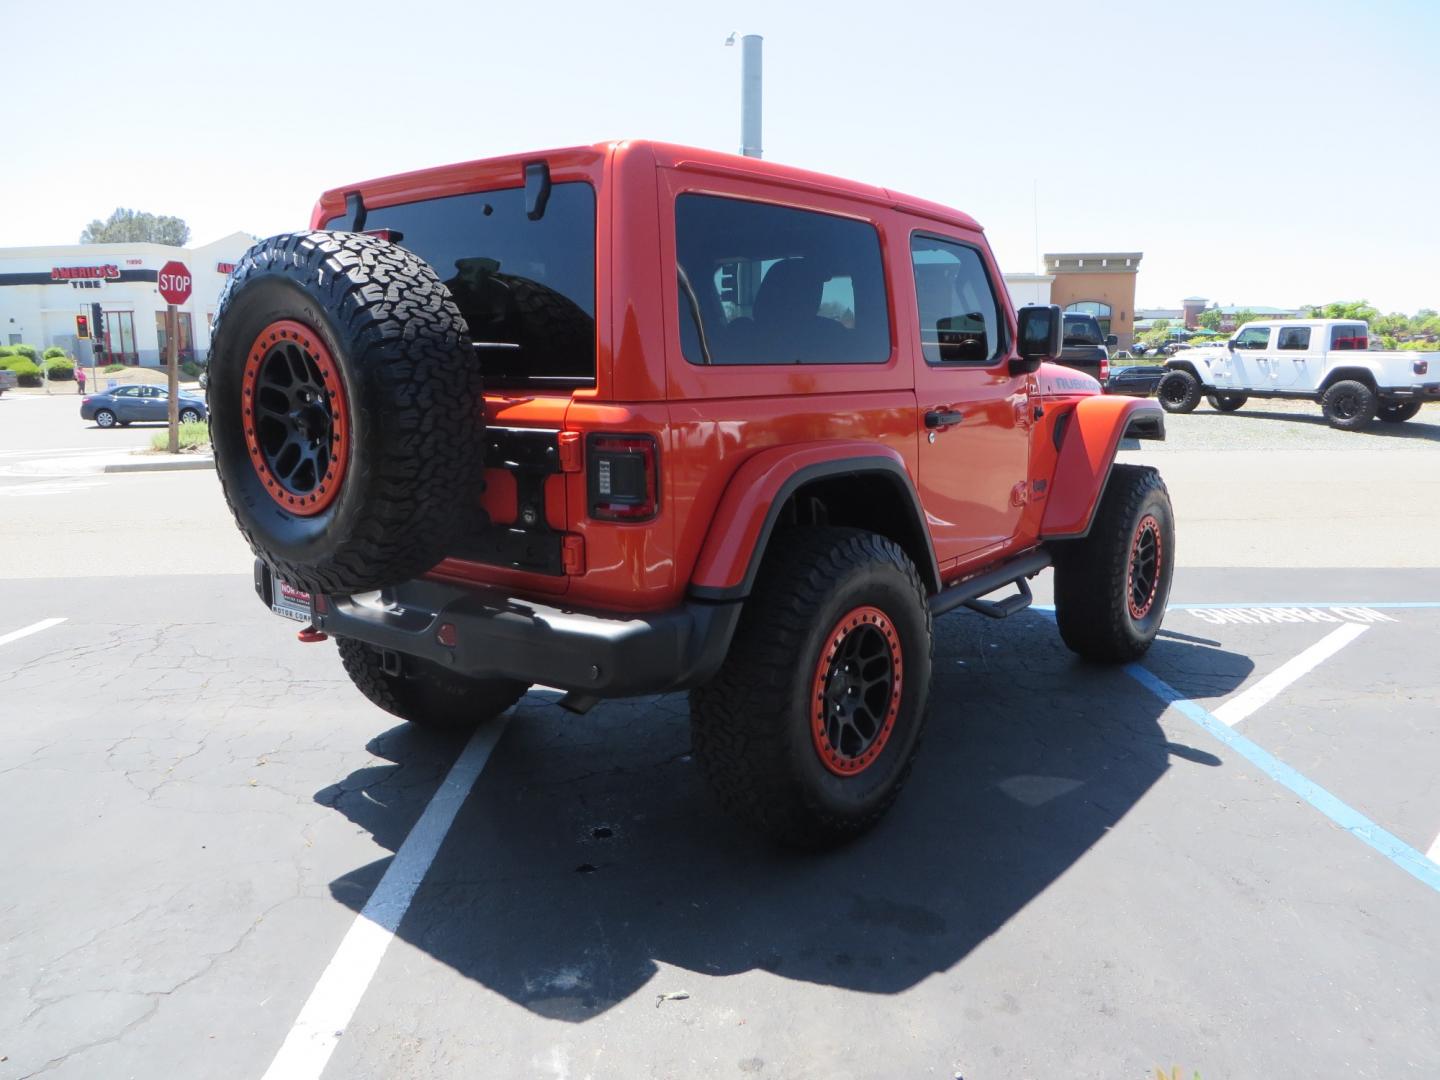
(174, 282)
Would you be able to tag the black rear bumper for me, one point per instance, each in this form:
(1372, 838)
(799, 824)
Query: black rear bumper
(495, 635)
(1420, 392)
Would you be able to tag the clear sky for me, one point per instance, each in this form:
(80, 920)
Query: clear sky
(1257, 152)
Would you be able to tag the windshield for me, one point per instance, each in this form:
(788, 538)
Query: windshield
(526, 288)
(1082, 330)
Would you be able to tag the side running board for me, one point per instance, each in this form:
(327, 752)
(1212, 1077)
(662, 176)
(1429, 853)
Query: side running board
(968, 592)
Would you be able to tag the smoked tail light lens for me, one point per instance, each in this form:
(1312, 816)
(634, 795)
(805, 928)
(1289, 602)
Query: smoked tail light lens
(623, 477)
(1420, 367)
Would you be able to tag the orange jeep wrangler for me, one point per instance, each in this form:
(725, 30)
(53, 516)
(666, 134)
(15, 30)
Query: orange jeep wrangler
(633, 418)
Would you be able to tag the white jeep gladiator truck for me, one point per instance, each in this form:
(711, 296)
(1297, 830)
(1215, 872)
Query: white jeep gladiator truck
(1324, 360)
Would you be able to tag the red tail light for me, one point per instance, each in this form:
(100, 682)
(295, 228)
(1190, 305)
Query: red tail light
(1420, 367)
(624, 477)
(85, 400)
(1104, 368)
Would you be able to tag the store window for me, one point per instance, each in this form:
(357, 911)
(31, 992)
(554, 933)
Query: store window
(1100, 310)
(120, 338)
(186, 336)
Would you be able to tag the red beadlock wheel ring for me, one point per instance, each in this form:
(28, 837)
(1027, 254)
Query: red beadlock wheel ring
(296, 417)
(1146, 556)
(855, 694)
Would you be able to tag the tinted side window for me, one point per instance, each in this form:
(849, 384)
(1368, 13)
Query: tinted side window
(763, 284)
(1349, 337)
(959, 319)
(1253, 337)
(525, 286)
(1294, 337)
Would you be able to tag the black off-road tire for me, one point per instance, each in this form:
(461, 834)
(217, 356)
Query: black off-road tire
(1349, 405)
(1178, 392)
(1396, 412)
(754, 725)
(399, 406)
(425, 694)
(1226, 402)
(1101, 615)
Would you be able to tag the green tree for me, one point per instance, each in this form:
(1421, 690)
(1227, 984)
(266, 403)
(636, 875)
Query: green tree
(1158, 334)
(136, 226)
(1245, 315)
(1210, 319)
(1346, 309)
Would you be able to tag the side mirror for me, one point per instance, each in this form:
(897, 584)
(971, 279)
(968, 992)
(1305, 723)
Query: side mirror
(1230, 344)
(1041, 329)
(1111, 341)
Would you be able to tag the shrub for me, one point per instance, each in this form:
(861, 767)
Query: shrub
(1420, 346)
(190, 369)
(6, 350)
(54, 352)
(28, 351)
(111, 369)
(27, 373)
(59, 368)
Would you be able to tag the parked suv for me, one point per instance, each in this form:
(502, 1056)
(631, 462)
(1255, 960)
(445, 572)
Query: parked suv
(744, 430)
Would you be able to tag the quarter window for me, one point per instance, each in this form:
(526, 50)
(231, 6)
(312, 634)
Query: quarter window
(1253, 337)
(959, 319)
(1349, 337)
(762, 284)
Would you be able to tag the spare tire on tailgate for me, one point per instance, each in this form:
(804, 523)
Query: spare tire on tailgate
(346, 410)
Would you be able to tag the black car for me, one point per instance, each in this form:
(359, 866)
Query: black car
(1137, 381)
(126, 404)
(1084, 347)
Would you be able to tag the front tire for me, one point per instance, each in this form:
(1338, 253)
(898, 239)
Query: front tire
(424, 694)
(1348, 405)
(808, 730)
(1226, 402)
(1396, 412)
(189, 416)
(1111, 588)
(1178, 392)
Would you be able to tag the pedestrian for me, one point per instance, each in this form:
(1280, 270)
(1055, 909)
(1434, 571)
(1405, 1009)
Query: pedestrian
(79, 380)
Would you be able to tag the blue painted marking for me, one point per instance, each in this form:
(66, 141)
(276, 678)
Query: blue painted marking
(1347, 817)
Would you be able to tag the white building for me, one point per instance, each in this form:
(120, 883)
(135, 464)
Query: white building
(43, 289)
(1029, 288)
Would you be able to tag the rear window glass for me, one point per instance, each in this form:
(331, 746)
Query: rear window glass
(761, 284)
(1349, 337)
(526, 288)
(1082, 330)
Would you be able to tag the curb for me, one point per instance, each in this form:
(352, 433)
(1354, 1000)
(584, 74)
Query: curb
(179, 464)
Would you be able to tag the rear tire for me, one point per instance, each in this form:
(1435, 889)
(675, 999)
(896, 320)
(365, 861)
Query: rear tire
(424, 694)
(1226, 402)
(1396, 412)
(808, 730)
(1178, 392)
(189, 416)
(1348, 405)
(346, 415)
(1111, 588)
(104, 418)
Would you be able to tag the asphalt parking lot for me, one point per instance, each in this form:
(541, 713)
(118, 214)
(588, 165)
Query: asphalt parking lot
(1216, 860)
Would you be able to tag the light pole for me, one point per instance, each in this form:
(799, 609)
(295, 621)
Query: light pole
(751, 63)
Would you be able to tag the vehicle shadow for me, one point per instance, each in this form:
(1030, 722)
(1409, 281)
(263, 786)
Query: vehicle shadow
(588, 856)
(1424, 427)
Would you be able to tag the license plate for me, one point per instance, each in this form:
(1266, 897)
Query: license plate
(289, 601)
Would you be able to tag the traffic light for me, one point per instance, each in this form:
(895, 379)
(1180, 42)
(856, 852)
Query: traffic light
(82, 327)
(97, 327)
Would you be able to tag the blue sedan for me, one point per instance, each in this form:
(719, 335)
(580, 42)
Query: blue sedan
(126, 404)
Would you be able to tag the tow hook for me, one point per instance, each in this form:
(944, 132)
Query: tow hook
(311, 634)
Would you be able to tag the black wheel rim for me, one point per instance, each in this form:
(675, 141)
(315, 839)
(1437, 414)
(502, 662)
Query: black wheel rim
(857, 688)
(1174, 391)
(1347, 406)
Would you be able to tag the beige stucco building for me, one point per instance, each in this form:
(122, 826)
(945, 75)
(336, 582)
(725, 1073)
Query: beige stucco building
(1101, 283)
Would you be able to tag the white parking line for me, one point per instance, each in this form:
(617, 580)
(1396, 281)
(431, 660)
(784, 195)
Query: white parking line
(1434, 853)
(1264, 691)
(26, 631)
(333, 1001)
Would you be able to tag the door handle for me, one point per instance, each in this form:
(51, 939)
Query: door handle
(942, 418)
